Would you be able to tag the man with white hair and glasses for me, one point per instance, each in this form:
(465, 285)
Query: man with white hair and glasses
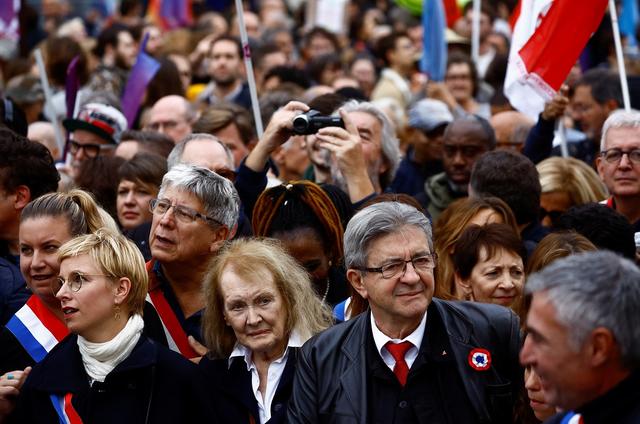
(195, 213)
(619, 163)
(410, 358)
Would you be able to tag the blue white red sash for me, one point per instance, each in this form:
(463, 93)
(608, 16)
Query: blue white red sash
(64, 408)
(176, 336)
(572, 418)
(36, 328)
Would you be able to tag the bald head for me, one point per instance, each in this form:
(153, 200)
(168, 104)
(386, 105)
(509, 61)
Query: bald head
(173, 116)
(43, 133)
(511, 129)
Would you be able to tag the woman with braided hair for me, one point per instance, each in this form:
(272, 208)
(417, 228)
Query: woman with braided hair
(302, 216)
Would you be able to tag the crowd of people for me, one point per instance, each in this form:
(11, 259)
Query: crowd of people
(390, 249)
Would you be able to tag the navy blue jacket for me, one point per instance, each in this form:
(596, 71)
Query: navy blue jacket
(13, 291)
(152, 385)
(229, 390)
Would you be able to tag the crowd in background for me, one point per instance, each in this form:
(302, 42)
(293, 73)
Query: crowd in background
(235, 249)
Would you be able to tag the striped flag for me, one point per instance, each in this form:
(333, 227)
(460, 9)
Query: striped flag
(141, 73)
(434, 56)
(548, 39)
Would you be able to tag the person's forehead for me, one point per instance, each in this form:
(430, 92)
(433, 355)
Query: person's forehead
(623, 137)
(124, 37)
(365, 121)
(206, 153)
(87, 137)
(182, 197)
(465, 132)
(459, 68)
(582, 93)
(393, 244)
(224, 47)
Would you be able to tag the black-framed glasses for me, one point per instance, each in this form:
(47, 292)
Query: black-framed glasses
(554, 216)
(90, 150)
(74, 282)
(615, 155)
(420, 263)
(181, 213)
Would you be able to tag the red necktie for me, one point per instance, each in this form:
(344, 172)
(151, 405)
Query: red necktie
(398, 350)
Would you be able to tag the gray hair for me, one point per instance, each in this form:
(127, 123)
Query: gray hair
(389, 142)
(217, 194)
(594, 289)
(175, 157)
(376, 221)
(619, 119)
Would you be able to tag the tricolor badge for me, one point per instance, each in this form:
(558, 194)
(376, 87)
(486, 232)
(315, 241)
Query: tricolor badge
(480, 359)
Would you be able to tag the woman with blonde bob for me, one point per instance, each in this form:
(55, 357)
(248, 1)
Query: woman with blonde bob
(566, 182)
(260, 308)
(107, 370)
(451, 224)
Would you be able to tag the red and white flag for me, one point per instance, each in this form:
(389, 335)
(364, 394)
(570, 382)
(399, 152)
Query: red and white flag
(547, 41)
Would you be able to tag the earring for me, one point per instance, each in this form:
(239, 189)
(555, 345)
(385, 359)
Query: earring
(117, 315)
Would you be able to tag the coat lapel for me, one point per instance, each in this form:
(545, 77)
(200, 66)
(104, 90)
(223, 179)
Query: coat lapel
(353, 381)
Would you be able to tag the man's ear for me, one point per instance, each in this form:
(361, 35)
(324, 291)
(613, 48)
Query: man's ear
(23, 196)
(611, 105)
(603, 347)
(600, 166)
(220, 235)
(356, 279)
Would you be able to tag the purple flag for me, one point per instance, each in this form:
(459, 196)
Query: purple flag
(9, 19)
(139, 77)
(176, 13)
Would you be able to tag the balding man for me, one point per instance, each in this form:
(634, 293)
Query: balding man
(43, 133)
(173, 116)
(511, 129)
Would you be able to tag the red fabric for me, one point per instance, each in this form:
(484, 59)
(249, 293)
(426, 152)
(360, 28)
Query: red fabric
(515, 15)
(48, 318)
(398, 350)
(72, 414)
(452, 11)
(556, 44)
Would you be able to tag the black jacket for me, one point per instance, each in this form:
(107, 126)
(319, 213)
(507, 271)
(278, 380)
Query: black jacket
(620, 405)
(152, 385)
(229, 390)
(331, 376)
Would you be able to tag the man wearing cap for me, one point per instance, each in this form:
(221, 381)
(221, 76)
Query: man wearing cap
(428, 119)
(96, 131)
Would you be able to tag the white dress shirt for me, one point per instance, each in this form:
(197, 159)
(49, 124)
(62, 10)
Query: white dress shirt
(414, 338)
(276, 368)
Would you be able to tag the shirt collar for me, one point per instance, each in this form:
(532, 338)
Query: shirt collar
(241, 351)
(382, 339)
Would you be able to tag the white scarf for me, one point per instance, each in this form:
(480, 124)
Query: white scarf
(100, 359)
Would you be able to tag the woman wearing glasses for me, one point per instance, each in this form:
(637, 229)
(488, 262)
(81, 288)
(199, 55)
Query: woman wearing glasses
(46, 224)
(260, 308)
(107, 370)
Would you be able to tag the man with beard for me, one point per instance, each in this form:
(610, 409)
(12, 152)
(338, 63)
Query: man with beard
(226, 70)
(465, 140)
(117, 51)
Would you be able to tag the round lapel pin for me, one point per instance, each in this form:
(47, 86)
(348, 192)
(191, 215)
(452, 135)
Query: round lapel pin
(480, 359)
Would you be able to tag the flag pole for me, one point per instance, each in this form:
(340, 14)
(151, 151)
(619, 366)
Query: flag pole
(621, 67)
(475, 32)
(249, 67)
(48, 99)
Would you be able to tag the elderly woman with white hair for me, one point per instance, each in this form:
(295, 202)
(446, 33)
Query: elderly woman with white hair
(261, 307)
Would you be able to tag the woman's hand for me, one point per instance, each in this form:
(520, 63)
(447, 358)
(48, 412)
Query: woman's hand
(199, 348)
(10, 385)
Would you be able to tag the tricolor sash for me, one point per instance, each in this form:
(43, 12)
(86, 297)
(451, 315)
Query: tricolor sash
(176, 336)
(64, 408)
(572, 418)
(36, 328)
